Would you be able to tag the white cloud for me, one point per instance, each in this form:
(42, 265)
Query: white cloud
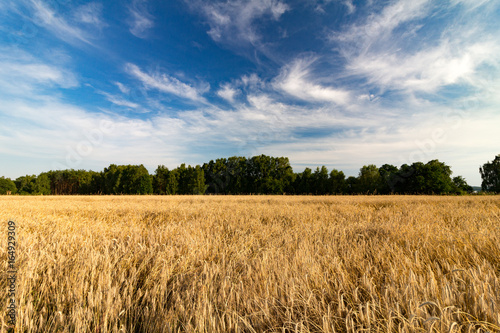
(123, 88)
(54, 22)
(471, 4)
(90, 13)
(462, 143)
(39, 73)
(321, 4)
(394, 15)
(350, 6)
(233, 21)
(227, 92)
(117, 100)
(375, 32)
(61, 135)
(141, 20)
(374, 50)
(295, 80)
(54, 131)
(336, 126)
(253, 81)
(426, 70)
(167, 84)
(21, 73)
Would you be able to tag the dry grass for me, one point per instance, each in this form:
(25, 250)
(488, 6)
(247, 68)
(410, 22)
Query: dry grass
(255, 264)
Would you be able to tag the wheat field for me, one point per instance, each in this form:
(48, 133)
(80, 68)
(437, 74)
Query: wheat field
(254, 263)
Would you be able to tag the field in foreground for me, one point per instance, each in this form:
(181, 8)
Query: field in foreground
(254, 264)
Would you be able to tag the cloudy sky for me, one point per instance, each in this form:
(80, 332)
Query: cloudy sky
(340, 83)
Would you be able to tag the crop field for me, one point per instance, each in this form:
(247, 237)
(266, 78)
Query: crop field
(254, 263)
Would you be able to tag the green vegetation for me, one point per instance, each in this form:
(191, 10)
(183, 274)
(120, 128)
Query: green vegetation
(7, 186)
(490, 173)
(256, 175)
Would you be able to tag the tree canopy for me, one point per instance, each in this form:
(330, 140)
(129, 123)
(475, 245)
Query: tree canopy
(256, 175)
(490, 174)
(7, 186)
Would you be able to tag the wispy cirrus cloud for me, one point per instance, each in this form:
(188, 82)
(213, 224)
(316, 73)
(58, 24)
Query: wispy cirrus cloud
(296, 79)
(57, 24)
(471, 4)
(168, 84)
(21, 73)
(264, 125)
(320, 4)
(378, 51)
(123, 88)
(120, 101)
(64, 136)
(427, 70)
(233, 21)
(372, 93)
(141, 21)
(90, 14)
(228, 92)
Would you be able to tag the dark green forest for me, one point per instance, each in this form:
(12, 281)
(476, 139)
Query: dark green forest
(256, 175)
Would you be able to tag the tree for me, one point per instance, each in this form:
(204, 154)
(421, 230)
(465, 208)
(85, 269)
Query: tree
(136, 180)
(352, 185)
(172, 182)
(160, 180)
(64, 182)
(389, 178)
(268, 175)
(111, 179)
(197, 182)
(304, 182)
(84, 181)
(320, 181)
(183, 179)
(165, 181)
(337, 182)
(283, 175)
(369, 180)
(490, 174)
(234, 178)
(25, 184)
(7, 186)
(438, 178)
(461, 185)
(217, 176)
(42, 184)
(259, 175)
(33, 184)
(125, 179)
(434, 177)
(405, 180)
(260, 180)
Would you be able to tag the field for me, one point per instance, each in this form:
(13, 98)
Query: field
(254, 263)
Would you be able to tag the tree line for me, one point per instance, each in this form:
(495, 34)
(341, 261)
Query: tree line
(256, 175)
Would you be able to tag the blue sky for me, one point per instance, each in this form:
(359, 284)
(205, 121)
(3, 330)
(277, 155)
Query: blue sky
(340, 83)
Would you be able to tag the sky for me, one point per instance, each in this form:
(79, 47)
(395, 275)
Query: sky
(340, 83)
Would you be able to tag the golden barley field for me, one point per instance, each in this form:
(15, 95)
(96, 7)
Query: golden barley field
(254, 263)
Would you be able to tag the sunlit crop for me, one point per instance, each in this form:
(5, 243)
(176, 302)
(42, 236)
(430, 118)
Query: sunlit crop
(255, 263)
